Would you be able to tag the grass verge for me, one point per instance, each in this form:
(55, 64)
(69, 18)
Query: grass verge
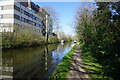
(64, 67)
(91, 65)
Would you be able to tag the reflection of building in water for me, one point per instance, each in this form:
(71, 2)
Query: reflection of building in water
(7, 69)
(0, 60)
(35, 62)
(28, 62)
(0, 56)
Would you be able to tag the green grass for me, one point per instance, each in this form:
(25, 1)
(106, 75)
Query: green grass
(64, 67)
(91, 66)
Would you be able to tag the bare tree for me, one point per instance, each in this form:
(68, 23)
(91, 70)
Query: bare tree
(54, 16)
(83, 19)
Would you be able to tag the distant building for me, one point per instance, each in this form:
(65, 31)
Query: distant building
(23, 14)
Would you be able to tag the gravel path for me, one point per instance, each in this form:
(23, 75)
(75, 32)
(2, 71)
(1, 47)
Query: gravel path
(76, 72)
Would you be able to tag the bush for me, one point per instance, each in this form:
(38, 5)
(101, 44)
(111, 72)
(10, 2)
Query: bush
(24, 37)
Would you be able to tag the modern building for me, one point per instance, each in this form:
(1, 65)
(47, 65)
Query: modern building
(23, 14)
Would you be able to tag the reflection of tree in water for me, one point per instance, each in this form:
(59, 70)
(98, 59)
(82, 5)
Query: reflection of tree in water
(32, 62)
(61, 51)
(28, 62)
(7, 66)
(24, 60)
(57, 55)
(48, 54)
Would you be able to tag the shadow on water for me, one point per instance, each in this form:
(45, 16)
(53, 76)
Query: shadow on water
(33, 62)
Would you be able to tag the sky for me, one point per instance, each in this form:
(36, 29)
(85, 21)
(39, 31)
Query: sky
(66, 12)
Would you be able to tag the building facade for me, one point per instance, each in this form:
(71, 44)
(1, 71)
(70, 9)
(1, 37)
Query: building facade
(23, 14)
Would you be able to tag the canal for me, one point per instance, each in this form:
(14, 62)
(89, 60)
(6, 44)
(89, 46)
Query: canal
(33, 62)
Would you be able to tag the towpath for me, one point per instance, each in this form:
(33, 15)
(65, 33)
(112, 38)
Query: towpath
(77, 72)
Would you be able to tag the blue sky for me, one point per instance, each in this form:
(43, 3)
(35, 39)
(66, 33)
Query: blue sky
(66, 12)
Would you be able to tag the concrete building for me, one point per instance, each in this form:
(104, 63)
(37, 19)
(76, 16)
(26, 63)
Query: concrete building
(23, 14)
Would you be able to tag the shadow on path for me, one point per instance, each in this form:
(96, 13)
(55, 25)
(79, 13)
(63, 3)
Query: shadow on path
(77, 71)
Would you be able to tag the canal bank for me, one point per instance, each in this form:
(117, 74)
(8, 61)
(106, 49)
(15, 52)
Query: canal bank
(21, 40)
(71, 66)
(33, 62)
(26, 38)
(64, 67)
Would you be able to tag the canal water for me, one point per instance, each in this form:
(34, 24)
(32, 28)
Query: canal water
(33, 62)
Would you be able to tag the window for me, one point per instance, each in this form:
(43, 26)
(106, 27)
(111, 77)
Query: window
(1, 25)
(37, 25)
(34, 23)
(37, 19)
(26, 20)
(22, 19)
(33, 17)
(16, 17)
(30, 22)
(30, 15)
(1, 16)
(21, 10)
(25, 13)
(34, 11)
(1, 7)
(16, 8)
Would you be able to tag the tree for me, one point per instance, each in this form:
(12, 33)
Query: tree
(54, 16)
(108, 36)
(99, 30)
(84, 22)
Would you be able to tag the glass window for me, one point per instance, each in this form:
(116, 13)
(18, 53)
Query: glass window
(30, 22)
(25, 13)
(33, 17)
(30, 15)
(33, 23)
(16, 8)
(37, 19)
(22, 19)
(1, 7)
(1, 25)
(16, 17)
(21, 10)
(1, 16)
(38, 25)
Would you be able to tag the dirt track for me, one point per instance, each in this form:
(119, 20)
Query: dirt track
(76, 72)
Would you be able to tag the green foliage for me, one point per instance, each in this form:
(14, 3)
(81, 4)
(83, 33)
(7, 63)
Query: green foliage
(64, 67)
(91, 65)
(24, 37)
(100, 34)
(53, 39)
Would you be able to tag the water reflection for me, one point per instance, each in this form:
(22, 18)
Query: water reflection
(35, 62)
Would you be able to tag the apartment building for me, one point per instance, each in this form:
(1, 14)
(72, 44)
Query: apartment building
(23, 14)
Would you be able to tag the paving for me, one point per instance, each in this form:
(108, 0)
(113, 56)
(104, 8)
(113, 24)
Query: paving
(77, 72)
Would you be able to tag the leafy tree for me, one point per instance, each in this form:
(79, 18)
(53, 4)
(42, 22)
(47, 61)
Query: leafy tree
(100, 32)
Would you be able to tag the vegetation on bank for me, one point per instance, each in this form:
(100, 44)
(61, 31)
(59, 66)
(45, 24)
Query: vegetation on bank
(20, 38)
(64, 67)
(24, 38)
(99, 32)
(91, 66)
